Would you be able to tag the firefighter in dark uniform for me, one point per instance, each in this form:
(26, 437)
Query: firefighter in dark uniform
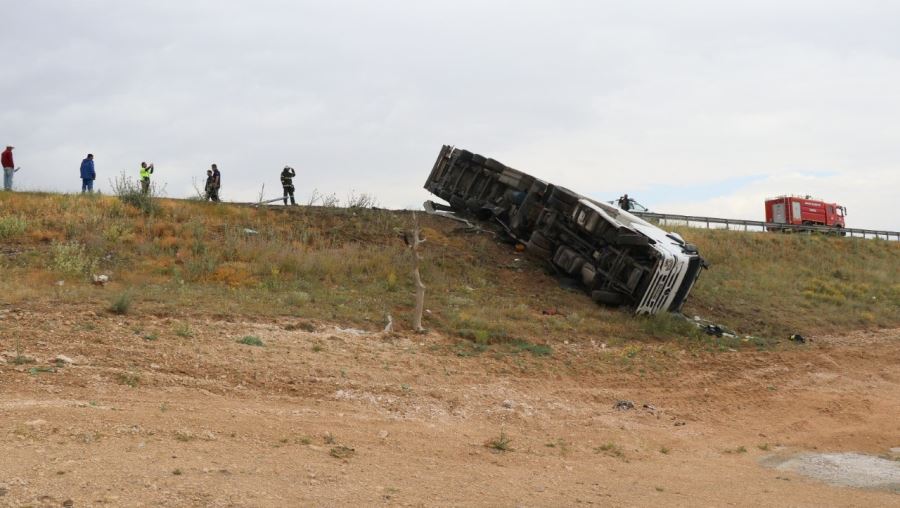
(287, 182)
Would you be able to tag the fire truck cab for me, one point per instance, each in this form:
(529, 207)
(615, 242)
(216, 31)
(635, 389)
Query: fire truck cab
(798, 210)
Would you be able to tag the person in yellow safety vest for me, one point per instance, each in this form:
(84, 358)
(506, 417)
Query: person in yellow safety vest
(146, 171)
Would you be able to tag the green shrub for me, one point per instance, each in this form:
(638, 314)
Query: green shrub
(535, 349)
(500, 443)
(184, 330)
(72, 258)
(121, 303)
(251, 340)
(11, 226)
(129, 191)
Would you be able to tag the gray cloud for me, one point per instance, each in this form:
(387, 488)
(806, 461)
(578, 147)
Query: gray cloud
(605, 97)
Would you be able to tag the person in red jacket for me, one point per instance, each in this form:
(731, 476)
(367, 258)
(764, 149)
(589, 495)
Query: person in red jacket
(9, 168)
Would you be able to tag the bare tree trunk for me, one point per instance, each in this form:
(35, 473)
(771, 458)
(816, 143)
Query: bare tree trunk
(420, 288)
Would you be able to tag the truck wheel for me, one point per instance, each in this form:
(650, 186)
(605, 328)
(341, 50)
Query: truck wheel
(540, 240)
(607, 297)
(564, 195)
(464, 155)
(494, 165)
(537, 250)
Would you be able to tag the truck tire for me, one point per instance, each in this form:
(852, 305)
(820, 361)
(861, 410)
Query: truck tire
(538, 251)
(540, 240)
(607, 297)
(494, 165)
(464, 155)
(563, 195)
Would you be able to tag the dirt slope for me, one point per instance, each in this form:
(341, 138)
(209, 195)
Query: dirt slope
(175, 412)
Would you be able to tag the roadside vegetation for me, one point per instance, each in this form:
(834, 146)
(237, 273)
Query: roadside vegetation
(350, 266)
(777, 284)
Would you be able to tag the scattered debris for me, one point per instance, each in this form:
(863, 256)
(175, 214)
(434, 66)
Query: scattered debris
(342, 452)
(99, 280)
(250, 232)
(508, 404)
(64, 360)
(624, 405)
(650, 407)
(432, 208)
(711, 328)
(389, 327)
(799, 339)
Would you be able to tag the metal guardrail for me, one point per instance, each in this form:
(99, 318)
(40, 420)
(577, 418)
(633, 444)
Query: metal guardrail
(690, 220)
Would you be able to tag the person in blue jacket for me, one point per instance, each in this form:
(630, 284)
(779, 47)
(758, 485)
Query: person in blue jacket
(88, 175)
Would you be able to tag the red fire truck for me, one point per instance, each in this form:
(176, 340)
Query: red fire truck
(804, 211)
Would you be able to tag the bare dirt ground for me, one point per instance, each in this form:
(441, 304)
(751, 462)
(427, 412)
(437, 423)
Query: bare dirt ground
(160, 411)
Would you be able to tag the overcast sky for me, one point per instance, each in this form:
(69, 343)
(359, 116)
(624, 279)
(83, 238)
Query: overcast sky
(702, 107)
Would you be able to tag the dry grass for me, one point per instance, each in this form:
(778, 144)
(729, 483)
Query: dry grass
(776, 284)
(349, 266)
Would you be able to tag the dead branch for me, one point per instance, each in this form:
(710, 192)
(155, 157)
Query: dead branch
(415, 245)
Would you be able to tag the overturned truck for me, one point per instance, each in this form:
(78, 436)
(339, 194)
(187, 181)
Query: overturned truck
(618, 257)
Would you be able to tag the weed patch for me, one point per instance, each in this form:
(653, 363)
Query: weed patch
(72, 258)
(121, 303)
(251, 340)
(469, 349)
(184, 330)
(501, 443)
(610, 449)
(534, 349)
(37, 370)
(12, 226)
(129, 191)
(131, 379)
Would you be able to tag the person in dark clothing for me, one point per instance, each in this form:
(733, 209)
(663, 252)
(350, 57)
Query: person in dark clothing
(216, 183)
(209, 185)
(625, 203)
(287, 182)
(88, 175)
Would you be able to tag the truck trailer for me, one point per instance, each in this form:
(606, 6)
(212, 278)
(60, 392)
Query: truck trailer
(619, 258)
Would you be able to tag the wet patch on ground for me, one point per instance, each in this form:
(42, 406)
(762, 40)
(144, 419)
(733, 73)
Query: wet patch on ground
(843, 469)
